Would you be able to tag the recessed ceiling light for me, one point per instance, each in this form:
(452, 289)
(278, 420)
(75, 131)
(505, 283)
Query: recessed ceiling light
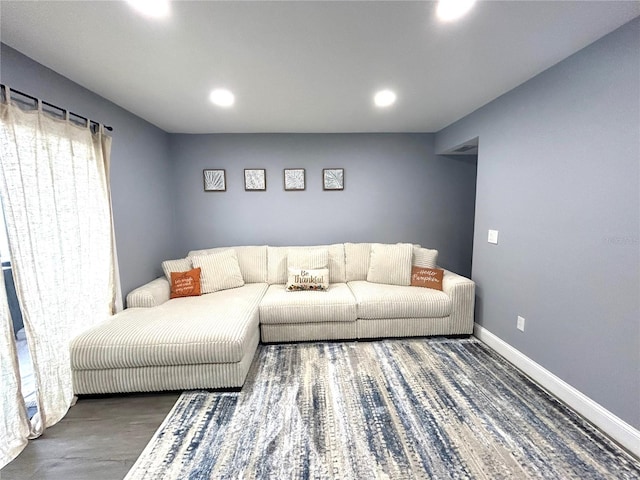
(151, 8)
(453, 9)
(222, 97)
(384, 98)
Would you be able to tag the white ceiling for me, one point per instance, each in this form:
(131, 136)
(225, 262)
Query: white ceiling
(304, 66)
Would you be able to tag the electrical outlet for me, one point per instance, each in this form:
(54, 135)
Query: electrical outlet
(493, 237)
(520, 323)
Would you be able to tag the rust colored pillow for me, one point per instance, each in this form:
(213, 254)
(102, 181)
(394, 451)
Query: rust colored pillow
(185, 284)
(427, 277)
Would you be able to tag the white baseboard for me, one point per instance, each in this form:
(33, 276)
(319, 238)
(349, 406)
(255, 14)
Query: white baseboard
(616, 428)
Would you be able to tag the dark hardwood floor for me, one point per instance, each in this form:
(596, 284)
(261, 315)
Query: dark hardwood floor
(99, 439)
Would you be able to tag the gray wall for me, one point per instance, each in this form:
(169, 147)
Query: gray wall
(396, 190)
(140, 166)
(558, 176)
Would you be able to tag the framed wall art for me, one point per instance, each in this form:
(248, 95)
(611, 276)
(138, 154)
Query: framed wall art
(333, 179)
(255, 179)
(214, 180)
(294, 179)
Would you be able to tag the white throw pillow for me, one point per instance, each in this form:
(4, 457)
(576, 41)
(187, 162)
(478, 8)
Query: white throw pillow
(311, 258)
(220, 271)
(252, 260)
(425, 257)
(307, 279)
(178, 265)
(390, 264)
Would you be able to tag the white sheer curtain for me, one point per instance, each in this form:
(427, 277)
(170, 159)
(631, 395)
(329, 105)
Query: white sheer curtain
(14, 427)
(55, 194)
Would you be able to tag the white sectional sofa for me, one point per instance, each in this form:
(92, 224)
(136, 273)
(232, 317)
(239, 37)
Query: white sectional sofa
(209, 341)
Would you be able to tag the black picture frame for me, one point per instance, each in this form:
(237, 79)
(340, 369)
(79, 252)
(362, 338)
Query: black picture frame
(214, 180)
(255, 179)
(295, 179)
(333, 179)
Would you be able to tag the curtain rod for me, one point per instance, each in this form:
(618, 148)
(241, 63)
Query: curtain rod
(91, 122)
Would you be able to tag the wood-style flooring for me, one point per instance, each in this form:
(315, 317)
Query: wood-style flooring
(99, 439)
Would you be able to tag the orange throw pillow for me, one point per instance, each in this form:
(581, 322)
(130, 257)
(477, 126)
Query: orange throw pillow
(427, 277)
(185, 284)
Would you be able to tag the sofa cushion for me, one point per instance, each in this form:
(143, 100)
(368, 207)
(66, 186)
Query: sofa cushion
(185, 284)
(214, 328)
(310, 258)
(220, 271)
(357, 260)
(277, 263)
(178, 265)
(425, 257)
(252, 261)
(390, 264)
(375, 300)
(336, 304)
(307, 279)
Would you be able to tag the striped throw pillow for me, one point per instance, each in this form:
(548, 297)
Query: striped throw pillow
(178, 265)
(220, 271)
(390, 264)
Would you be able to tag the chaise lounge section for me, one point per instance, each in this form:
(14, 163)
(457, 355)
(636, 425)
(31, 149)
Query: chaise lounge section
(209, 340)
(192, 342)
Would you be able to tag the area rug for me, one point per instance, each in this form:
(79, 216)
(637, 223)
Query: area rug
(392, 409)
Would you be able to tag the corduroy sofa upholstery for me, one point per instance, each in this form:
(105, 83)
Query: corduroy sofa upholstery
(209, 341)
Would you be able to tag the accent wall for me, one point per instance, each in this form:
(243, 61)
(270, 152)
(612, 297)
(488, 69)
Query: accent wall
(559, 178)
(395, 190)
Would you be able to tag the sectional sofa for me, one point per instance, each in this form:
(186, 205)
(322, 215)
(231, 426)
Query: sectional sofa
(209, 340)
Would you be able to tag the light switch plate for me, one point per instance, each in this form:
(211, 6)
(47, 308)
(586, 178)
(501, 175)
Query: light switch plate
(493, 237)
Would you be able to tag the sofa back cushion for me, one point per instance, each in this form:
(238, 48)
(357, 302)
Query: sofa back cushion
(357, 260)
(309, 258)
(277, 260)
(252, 261)
(390, 264)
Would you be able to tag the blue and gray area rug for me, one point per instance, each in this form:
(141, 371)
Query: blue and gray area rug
(393, 409)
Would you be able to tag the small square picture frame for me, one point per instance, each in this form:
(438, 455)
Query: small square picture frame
(294, 179)
(214, 180)
(255, 179)
(333, 179)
